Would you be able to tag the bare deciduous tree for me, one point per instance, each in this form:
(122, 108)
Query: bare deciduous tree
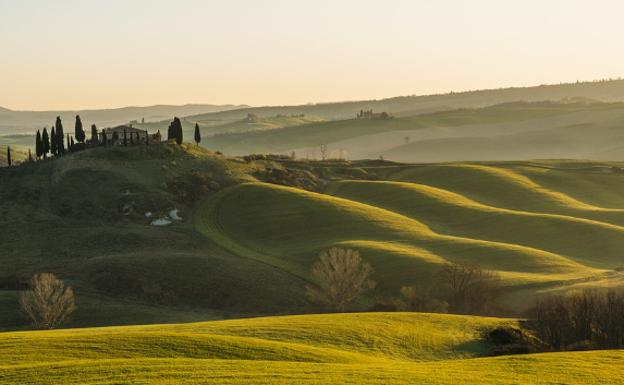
(324, 151)
(469, 288)
(341, 278)
(48, 302)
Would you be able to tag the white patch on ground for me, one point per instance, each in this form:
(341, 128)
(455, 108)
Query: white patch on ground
(173, 214)
(161, 222)
(148, 214)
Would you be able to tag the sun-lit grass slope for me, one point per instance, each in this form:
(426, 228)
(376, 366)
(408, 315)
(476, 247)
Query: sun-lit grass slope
(595, 243)
(315, 134)
(317, 349)
(288, 227)
(586, 190)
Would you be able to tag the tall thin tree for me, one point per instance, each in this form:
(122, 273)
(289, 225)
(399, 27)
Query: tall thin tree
(60, 136)
(94, 134)
(46, 143)
(79, 131)
(197, 134)
(53, 142)
(38, 145)
(9, 161)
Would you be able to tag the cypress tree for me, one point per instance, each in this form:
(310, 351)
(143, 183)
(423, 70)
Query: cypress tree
(79, 132)
(9, 161)
(197, 134)
(45, 143)
(94, 135)
(60, 136)
(170, 132)
(53, 142)
(38, 145)
(68, 144)
(176, 128)
(30, 158)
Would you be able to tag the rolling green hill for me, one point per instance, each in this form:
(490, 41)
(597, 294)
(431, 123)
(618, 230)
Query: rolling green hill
(396, 348)
(250, 229)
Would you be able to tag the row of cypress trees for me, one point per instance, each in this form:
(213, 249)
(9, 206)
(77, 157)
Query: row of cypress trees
(175, 132)
(57, 143)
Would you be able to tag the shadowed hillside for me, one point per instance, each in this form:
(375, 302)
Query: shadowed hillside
(250, 229)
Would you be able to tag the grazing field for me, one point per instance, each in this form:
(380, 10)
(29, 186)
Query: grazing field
(402, 348)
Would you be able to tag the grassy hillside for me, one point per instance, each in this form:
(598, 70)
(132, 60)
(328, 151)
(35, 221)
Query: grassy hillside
(319, 349)
(251, 229)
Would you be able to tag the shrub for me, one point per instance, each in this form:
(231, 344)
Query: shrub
(341, 278)
(47, 303)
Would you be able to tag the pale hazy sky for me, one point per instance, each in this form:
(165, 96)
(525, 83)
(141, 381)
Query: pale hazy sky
(69, 54)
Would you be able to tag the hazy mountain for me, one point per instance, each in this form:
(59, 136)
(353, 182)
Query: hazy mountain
(26, 121)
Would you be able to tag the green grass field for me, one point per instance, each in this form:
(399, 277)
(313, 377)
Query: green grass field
(246, 246)
(401, 348)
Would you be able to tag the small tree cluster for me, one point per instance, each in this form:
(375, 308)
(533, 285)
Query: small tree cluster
(587, 318)
(459, 288)
(175, 131)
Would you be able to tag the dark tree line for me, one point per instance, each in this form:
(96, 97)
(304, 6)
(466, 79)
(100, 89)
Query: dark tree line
(585, 319)
(56, 143)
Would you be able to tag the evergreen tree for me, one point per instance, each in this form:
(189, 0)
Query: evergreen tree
(170, 132)
(45, 143)
(9, 161)
(104, 138)
(176, 128)
(30, 158)
(94, 135)
(53, 142)
(79, 132)
(60, 136)
(38, 145)
(197, 134)
(68, 143)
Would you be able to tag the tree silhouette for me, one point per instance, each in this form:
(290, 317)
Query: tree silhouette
(53, 142)
(38, 145)
(79, 131)
(30, 158)
(45, 139)
(9, 162)
(60, 136)
(176, 128)
(94, 135)
(197, 134)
